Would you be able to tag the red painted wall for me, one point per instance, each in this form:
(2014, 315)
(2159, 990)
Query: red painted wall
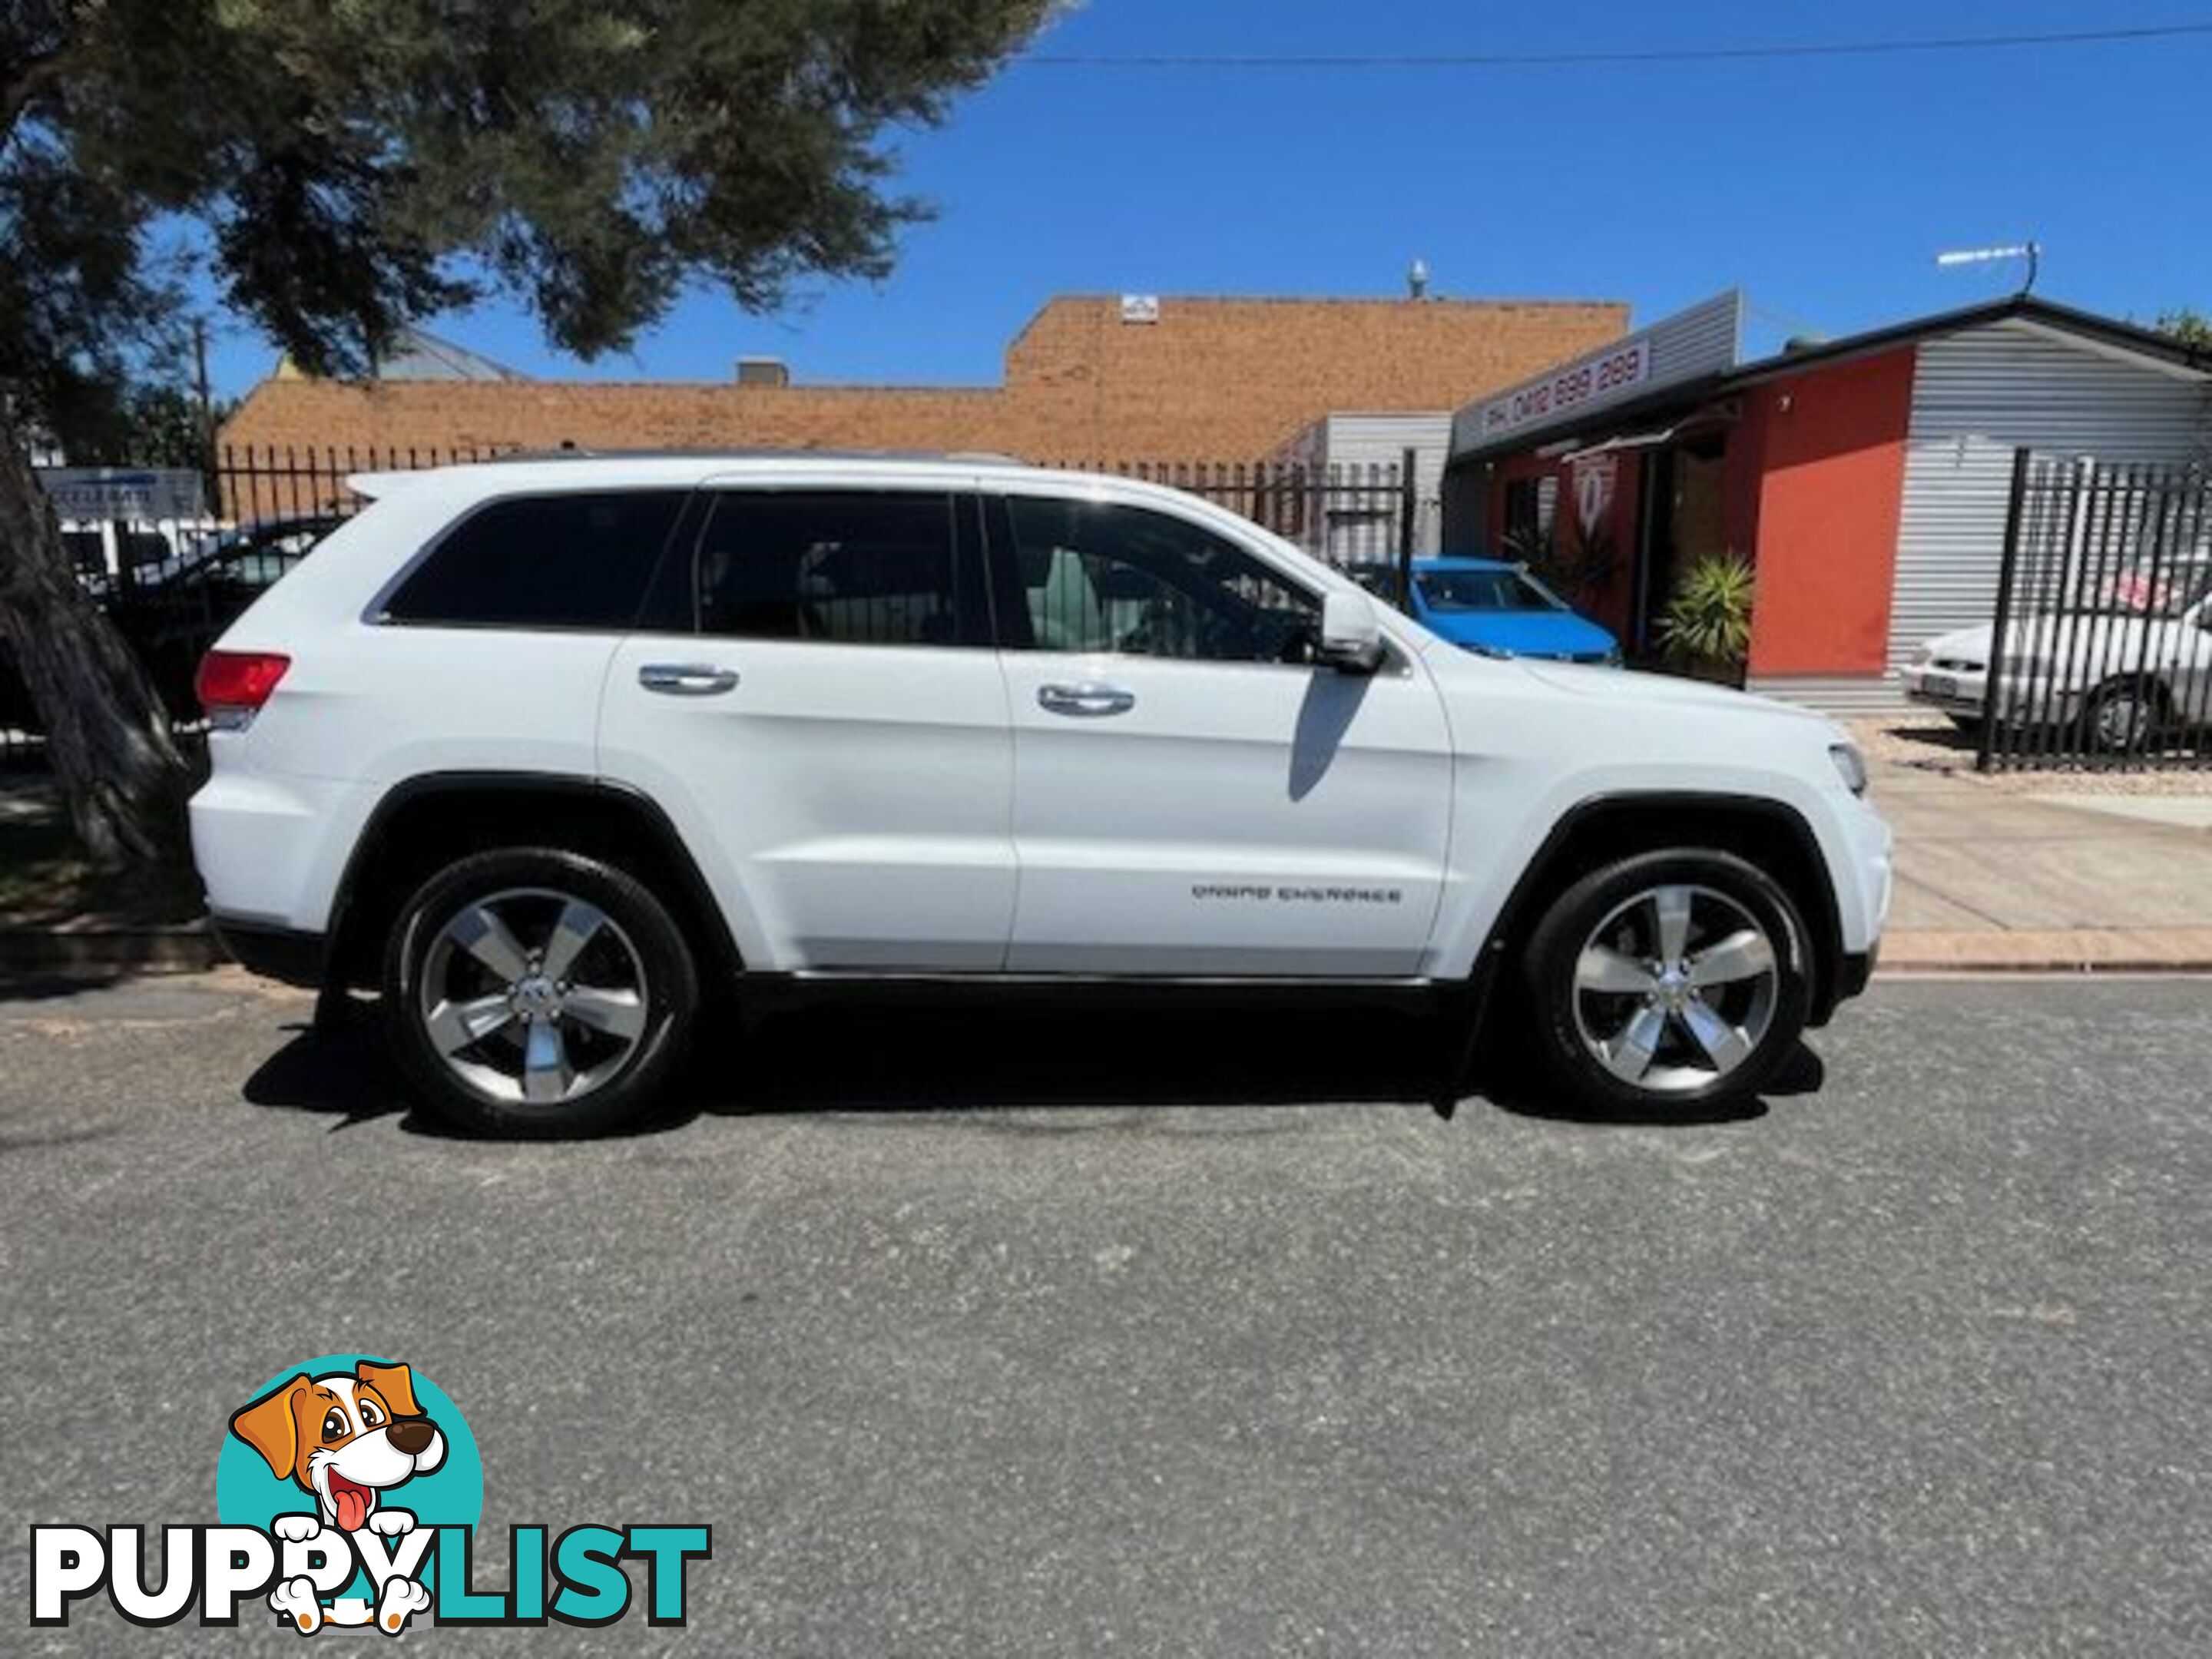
(1812, 491)
(1831, 487)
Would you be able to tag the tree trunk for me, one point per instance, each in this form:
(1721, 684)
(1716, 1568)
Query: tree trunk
(107, 735)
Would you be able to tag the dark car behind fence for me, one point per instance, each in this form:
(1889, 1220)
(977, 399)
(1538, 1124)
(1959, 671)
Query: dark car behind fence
(2100, 651)
(172, 583)
(173, 587)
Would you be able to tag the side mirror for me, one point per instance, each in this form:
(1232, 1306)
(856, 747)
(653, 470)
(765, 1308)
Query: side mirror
(1351, 634)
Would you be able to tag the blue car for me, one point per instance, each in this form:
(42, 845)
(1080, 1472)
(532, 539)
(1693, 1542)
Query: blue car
(1486, 605)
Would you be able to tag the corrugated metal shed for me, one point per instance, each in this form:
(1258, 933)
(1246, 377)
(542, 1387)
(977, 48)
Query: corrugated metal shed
(1977, 396)
(1383, 440)
(1832, 693)
(1371, 439)
(1357, 443)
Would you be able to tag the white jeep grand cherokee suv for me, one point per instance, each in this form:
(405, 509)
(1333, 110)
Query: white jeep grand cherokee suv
(551, 750)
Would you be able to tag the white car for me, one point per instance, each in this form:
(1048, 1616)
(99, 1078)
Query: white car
(549, 751)
(2134, 664)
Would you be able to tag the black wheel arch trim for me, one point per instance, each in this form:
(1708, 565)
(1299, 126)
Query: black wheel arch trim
(1831, 979)
(697, 895)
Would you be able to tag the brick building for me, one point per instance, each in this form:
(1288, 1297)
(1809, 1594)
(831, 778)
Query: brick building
(1089, 380)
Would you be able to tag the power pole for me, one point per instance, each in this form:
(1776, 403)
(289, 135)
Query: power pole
(207, 411)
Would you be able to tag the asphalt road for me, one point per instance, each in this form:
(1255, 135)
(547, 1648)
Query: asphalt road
(991, 1335)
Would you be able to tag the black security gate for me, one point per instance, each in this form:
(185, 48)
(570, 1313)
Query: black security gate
(1366, 519)
(2101, 652)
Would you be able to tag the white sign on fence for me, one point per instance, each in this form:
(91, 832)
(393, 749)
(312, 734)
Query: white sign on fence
(138, 493)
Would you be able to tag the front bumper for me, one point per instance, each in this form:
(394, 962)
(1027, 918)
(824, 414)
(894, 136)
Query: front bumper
(1854, 972)
(1965, 693)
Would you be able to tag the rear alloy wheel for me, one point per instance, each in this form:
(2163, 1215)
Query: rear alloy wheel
(535, 991)
(1669, 979)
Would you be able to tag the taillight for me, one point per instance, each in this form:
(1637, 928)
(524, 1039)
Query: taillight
(232, 685)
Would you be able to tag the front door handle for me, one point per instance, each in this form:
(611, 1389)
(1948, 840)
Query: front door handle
(1087, 701)
(686, 679)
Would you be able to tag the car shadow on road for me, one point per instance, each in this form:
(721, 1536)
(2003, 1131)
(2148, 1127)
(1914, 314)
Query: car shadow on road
(933, 1059)
(53, 985)
(342, 1073)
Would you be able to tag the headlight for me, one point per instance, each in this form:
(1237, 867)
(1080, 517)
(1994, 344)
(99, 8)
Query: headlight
(1851, 766)
(2024, 668)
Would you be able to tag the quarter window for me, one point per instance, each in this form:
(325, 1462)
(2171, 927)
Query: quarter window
(569, 561)
(1100, 577)
(849, 567)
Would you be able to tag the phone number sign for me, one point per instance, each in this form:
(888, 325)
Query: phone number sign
(1592, 380)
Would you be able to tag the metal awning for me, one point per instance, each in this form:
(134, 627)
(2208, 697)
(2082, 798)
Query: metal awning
(1571, 450)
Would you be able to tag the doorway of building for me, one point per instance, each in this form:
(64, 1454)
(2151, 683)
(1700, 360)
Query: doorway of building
(1683, 519)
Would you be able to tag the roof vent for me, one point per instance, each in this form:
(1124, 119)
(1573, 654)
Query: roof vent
(1140, 308)
(763, 371)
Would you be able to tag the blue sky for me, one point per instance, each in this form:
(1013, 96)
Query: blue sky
(1823, 187)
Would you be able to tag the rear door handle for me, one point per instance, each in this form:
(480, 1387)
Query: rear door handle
(686, 679)
(1086, 701)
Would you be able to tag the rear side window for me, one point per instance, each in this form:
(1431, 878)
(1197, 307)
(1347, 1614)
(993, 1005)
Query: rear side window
(579, 560)
(848, 568)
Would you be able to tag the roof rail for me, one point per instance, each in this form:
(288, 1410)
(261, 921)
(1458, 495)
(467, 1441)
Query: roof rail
(710, 451)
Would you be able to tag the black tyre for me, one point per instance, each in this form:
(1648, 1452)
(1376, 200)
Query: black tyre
(1669, 979)
(1969, 724)
(531, 992)
(2122, 717)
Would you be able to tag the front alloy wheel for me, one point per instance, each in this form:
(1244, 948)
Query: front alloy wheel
(1666, 1014)
(1668, 978)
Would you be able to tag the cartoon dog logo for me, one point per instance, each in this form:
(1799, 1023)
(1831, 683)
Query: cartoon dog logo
(346, 1438)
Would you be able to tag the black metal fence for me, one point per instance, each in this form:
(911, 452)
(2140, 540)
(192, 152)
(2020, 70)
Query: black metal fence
(1368, 520)
(2100, 651)
(253, 483)
(1359, 516)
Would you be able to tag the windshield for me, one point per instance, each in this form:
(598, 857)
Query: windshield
(2166, 590)
(1484, 590)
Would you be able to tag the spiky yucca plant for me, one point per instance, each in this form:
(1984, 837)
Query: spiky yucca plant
(1707, 622)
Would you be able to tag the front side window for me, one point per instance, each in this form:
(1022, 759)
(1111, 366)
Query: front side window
(570, 561)
(1098, 577)
(843, 566)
